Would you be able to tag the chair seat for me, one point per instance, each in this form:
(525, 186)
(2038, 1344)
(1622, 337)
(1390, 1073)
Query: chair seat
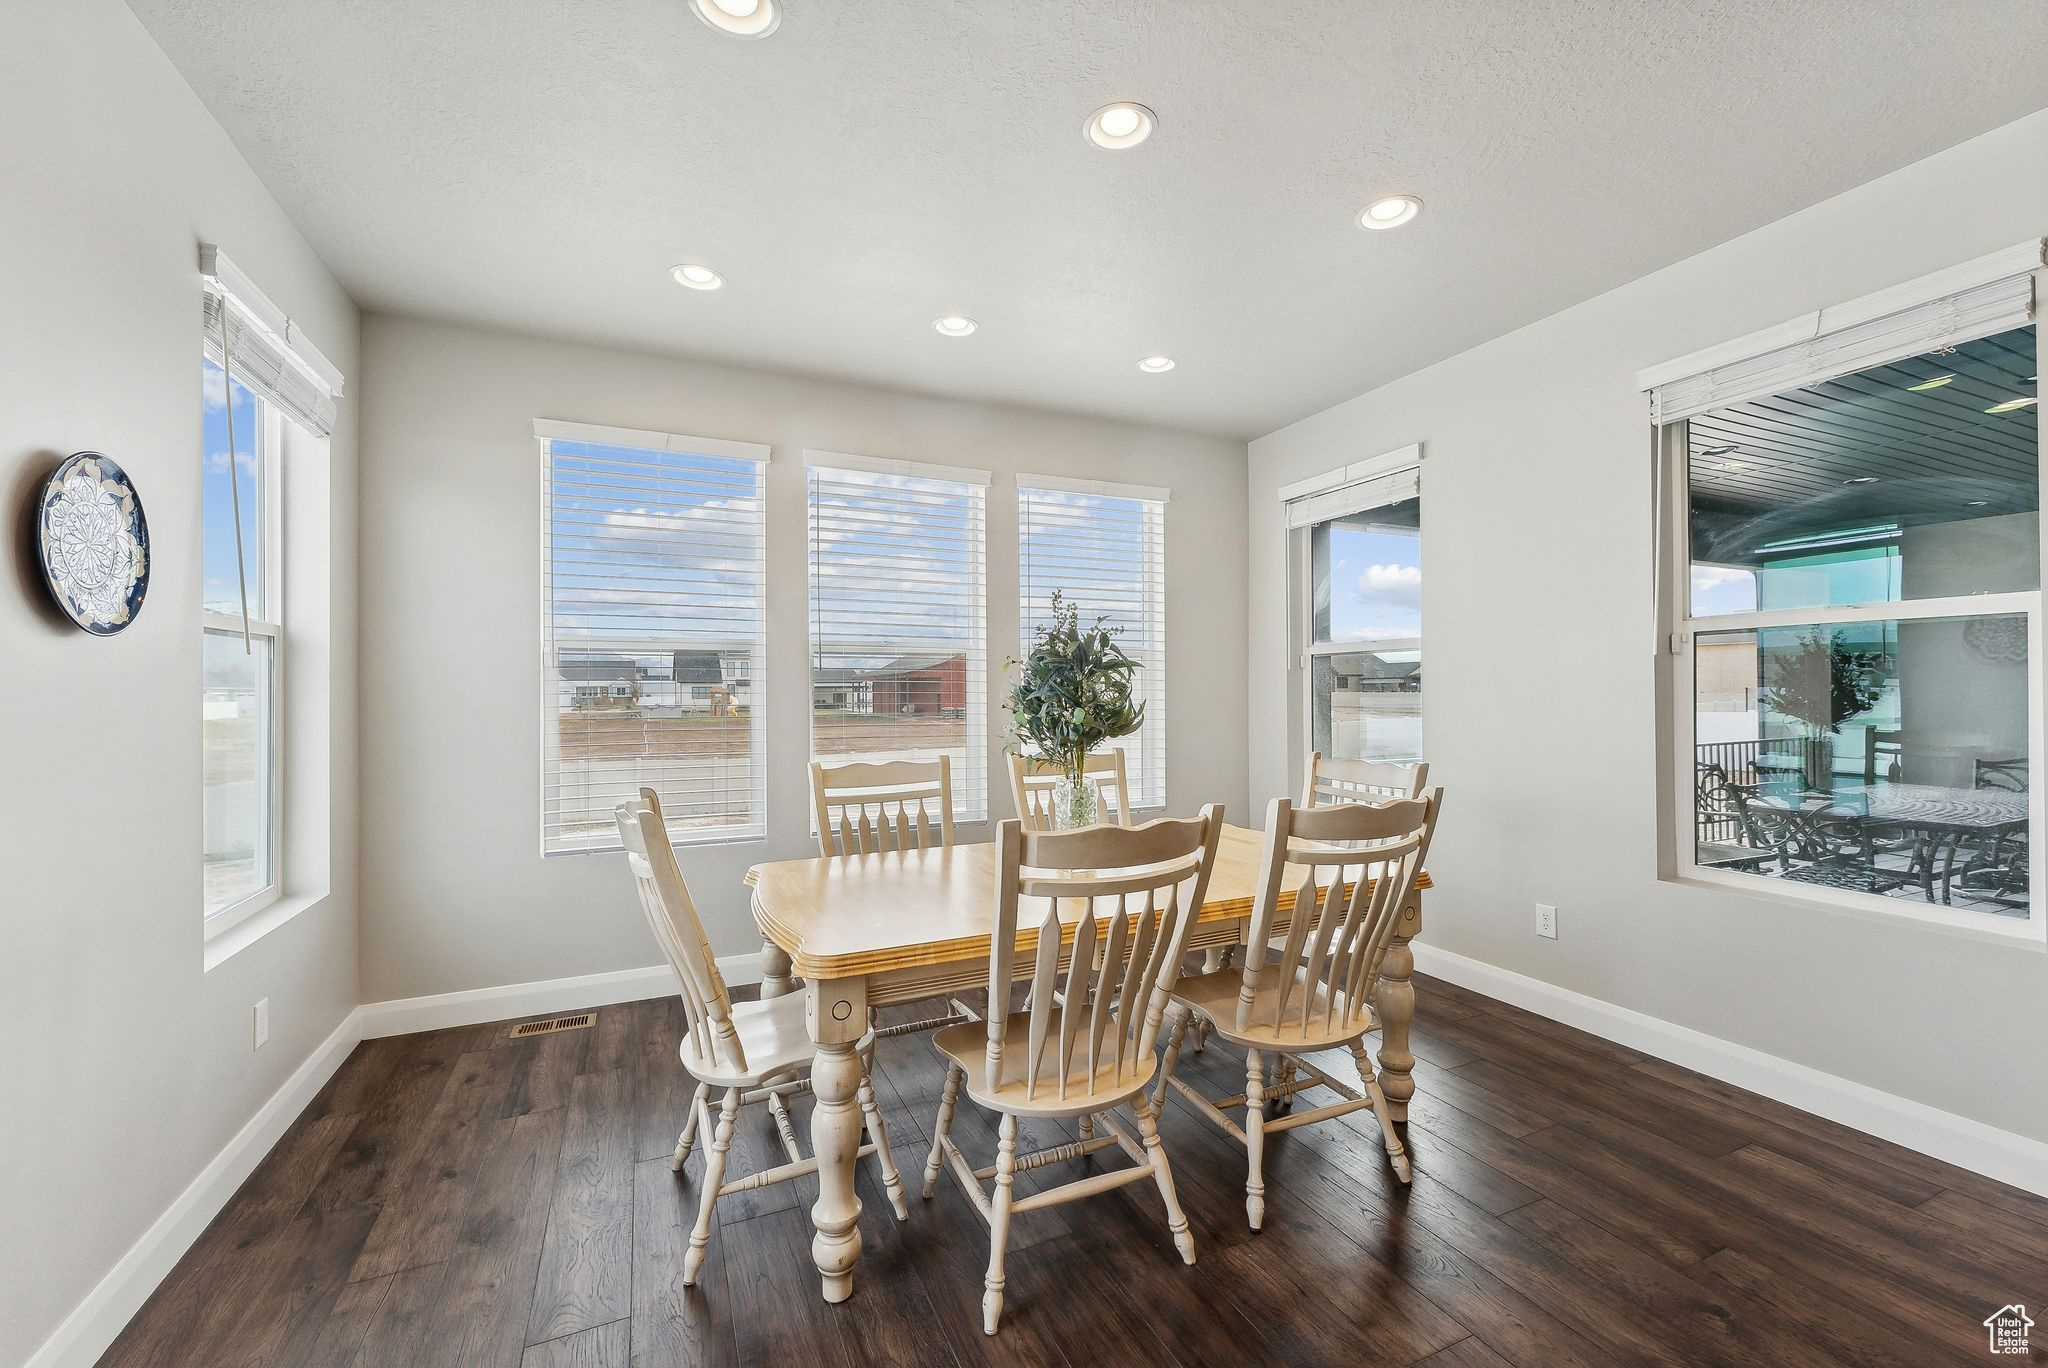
(775, 1036)
(1086, 1094)
(1215, 996)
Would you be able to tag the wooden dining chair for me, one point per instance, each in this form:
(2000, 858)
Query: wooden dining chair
(1360, 781)
(754, 1051)
(1329, 780)
(1105, 913)
(1359, 864)
(864, 808)
(894, 805)
(1032, 778)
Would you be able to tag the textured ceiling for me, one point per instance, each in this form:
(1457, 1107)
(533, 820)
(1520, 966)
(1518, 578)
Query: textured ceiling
(539, 164)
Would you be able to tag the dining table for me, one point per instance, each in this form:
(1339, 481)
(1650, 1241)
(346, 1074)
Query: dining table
(857, 932)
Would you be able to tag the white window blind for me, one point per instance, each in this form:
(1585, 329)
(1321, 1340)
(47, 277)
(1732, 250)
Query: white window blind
(1375, 483)
(1103, 548)
(269, 353)
(1969, 301)
(651, 673)
(899, 633)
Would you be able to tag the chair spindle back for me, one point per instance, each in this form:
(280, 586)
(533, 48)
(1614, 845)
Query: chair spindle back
(665, 899)
(1129, 897)
(1359, 864)
(863, 808)
(1360, 781)
(1032, 778)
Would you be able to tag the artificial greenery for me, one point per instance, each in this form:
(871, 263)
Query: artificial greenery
(1822, 683)
(1072, 690)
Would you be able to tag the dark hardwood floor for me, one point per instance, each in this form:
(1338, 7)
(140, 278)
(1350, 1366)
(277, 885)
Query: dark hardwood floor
(462, 1198)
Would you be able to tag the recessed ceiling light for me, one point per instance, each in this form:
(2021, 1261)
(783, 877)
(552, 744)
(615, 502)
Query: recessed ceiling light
(740, 18)
(1119, 126)
(696, 277)
(1389, 212)
(1862, 479)
(1734, 465)
(1936, 383)
(1153, 365)
(2009, 405)
(955, 325)
(1978, 503)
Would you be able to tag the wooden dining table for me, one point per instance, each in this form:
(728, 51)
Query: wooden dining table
(865, 931)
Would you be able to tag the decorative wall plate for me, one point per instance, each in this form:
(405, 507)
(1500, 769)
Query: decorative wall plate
(94, 543)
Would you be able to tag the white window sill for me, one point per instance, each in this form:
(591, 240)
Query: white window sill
(235, 930)
(1983, 927)
(747, 836)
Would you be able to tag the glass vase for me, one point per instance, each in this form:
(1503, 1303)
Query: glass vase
(1073, 804)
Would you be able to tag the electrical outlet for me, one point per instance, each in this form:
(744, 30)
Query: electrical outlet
(1546, 921)
(262, 1023)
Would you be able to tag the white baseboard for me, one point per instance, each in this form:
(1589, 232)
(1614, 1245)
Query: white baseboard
(404, 1016)
(95, 1322)
(2000, 1154)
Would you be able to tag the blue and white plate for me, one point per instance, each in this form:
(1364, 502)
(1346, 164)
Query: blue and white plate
(94, 543)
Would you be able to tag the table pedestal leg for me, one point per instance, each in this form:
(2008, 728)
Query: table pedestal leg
(776, 979)
(838, 1016)
(1396, 1003)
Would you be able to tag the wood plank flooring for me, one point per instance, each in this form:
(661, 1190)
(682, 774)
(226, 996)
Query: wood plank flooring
(460, 1198)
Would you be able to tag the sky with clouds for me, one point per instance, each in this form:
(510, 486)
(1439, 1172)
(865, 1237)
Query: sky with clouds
(1375, 584)
(217, 530)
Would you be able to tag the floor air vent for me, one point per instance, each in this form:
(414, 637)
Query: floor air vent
(552, 1024)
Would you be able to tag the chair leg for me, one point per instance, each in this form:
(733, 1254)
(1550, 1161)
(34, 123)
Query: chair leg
(947, 1100)
(1182, 1017)
(687, 1141)
(878, 1131)
(714, 1177)
(1176, 1219)
(1283, 1076)
(1396, 1151)
(1255, 1137)
(999, 1225)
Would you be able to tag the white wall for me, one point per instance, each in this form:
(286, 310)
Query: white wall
(1540, 704)
(456, 894)
(129, 1066)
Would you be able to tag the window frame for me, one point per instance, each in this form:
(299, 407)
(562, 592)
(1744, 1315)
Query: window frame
(545, 432)
(271, 626)
(1677, 632)
(975, 743)
(1303, 648)
(1152, 749)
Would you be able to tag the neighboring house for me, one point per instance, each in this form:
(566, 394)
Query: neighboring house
(597, 682)
(1366, 672)
(840, 690)
(920, 686)
(700, 682)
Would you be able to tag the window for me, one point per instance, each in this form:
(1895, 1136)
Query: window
(257, 373)
(1852, 581)
(899, 635)
(239, 726)
(652, 582)
(1103, 548)
(1358, 544)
